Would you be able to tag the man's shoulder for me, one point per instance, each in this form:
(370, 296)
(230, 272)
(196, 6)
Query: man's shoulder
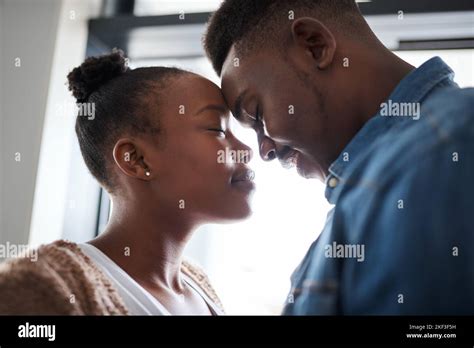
(446, 123)
(443, 135)
(450, 111)
(452, 98)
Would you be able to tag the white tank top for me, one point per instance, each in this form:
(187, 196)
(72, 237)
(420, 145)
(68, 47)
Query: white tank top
(137, 299)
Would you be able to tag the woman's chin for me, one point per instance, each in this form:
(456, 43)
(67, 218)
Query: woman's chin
(244, 214)
(231, 207)
(234, 213)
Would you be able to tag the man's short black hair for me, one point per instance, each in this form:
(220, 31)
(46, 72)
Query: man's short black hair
(253, 23)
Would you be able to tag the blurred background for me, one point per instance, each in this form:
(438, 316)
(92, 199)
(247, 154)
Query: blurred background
(46, 191)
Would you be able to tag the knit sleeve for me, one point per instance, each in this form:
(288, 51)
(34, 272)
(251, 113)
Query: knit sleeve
(198, 275)
(62, 281)
(31, 288)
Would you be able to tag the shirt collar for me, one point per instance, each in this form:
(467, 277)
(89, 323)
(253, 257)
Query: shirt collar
(412, 88)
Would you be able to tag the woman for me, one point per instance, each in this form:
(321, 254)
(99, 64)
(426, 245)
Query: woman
(153, 144)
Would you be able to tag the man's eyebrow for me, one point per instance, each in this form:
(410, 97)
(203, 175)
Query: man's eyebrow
(238, 105)
(221, 108)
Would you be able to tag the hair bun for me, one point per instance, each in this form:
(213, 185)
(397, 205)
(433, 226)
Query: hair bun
(95, 72)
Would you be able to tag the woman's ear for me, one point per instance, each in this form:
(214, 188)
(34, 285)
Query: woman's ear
(316, 39)
(130, 159)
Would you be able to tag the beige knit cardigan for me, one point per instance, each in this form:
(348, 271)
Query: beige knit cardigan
(65, 281)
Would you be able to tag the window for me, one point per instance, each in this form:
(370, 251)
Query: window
(153, 7)
(460, 60)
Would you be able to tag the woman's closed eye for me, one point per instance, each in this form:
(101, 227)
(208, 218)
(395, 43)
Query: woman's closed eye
(218, 130)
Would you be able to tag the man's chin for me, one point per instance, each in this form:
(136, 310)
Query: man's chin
(308, 171)
(306, 174)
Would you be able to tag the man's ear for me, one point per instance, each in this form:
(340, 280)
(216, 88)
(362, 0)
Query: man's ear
(315, 38)
(130, 159)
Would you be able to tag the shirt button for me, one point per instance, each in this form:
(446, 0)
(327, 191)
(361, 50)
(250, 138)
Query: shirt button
(333, 182)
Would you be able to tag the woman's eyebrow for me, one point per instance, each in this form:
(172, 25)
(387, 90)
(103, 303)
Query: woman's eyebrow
(221, 108)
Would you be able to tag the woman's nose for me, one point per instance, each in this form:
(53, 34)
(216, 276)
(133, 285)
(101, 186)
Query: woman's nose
(244, 151)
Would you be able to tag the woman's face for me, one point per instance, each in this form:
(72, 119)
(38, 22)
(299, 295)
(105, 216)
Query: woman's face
(199, 167)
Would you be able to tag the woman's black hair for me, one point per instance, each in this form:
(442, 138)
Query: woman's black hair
(113, 100)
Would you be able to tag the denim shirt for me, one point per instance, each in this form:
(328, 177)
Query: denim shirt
(399, 239)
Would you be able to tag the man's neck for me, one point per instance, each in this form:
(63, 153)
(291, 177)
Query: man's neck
(386, 71)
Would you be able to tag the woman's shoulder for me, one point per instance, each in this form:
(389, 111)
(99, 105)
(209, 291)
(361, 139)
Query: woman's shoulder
(196, 273)
(59, 280)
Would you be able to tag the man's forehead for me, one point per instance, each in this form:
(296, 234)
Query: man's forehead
(237, 77)
(229, 73)
(231, 82)
(243, 69)
(230, 60)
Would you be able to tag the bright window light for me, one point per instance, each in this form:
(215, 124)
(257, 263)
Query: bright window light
(163, 7)
(461, 61)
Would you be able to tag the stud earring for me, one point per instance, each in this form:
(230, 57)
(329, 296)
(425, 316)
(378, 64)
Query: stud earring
(147, 173)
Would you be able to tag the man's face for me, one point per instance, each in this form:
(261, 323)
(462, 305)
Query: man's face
(285, 108)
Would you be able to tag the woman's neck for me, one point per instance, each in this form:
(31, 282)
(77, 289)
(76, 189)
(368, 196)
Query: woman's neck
(146, 244)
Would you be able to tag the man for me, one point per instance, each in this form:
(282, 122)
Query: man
(394, 145)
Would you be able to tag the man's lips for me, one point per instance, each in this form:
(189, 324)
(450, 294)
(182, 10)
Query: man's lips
(294, 160)
(290, 160)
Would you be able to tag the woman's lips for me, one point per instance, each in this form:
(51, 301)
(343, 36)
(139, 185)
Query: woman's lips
(244, 185)
(243, 179)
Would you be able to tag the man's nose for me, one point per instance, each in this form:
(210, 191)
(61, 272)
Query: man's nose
(267, 149)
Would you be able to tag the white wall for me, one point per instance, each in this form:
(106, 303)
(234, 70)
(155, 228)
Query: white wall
(27, 31)
(49, 37)
(391, 29)
(66, 197)
(1, 121)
